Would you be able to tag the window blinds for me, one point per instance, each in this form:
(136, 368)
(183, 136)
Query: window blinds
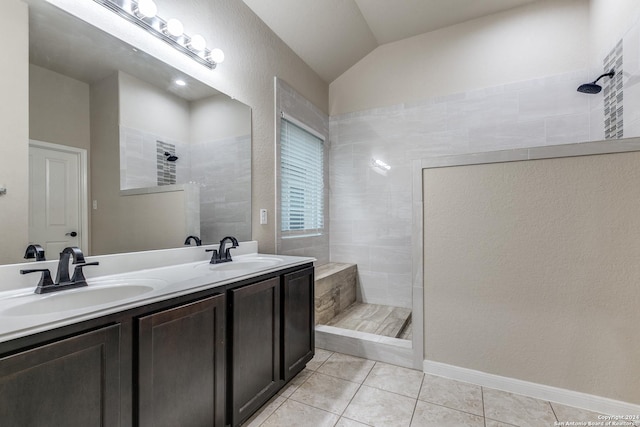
(301, 180)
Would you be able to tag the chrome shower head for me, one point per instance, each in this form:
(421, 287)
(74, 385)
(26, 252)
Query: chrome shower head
(593, 87)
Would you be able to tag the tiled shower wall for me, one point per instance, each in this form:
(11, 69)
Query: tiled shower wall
(221, 168)
(142, 160)
(371, 211)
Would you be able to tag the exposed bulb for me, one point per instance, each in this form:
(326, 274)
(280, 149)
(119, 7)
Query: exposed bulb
(198, 43)
(217, 56)
(146, 9)
(174, 28)
(180, 82)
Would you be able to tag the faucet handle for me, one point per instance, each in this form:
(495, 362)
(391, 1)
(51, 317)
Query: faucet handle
(45, 280)
(78, 275)
(215, 258)
(227, 254)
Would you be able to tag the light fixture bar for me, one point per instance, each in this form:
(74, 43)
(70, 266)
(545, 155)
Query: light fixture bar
(155, 25)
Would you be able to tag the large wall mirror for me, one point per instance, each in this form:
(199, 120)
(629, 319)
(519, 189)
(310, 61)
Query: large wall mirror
(155, 155)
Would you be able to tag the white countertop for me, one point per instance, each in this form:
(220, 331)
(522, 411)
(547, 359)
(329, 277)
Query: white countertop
(23, 312)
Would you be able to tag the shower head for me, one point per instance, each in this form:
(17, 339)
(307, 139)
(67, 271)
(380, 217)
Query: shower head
(593, 87)
(170, 157)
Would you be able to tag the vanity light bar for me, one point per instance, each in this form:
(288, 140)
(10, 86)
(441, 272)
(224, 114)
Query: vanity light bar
(190, 46)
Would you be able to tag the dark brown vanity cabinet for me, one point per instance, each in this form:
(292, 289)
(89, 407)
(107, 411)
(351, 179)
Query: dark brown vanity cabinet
(297, 321)
(272, 338)
(71, 382)
(210, 358)
(255, 347)
(181, 365)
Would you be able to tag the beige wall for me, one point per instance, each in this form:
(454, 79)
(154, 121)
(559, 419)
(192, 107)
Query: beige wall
(125, 223)
(14, 137)
(58, 108)
(537, 40)
(531, 271)
(218, 117)
(148, 108)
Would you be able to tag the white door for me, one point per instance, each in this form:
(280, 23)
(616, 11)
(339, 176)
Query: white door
(55, 197)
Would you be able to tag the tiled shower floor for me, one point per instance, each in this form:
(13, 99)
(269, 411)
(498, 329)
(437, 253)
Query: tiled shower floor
(375, 319)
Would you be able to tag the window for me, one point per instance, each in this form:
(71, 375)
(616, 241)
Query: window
(301, 180)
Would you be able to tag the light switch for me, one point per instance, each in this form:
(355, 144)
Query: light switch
(263, 216)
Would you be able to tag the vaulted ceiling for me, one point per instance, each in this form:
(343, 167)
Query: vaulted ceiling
(332, 35)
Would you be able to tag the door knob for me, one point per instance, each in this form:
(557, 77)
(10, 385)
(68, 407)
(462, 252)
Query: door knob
(72, 234)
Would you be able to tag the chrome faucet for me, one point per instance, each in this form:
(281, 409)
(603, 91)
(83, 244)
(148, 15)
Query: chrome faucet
(35, 251)
(196, 239)
(63, 281)
(221, 254)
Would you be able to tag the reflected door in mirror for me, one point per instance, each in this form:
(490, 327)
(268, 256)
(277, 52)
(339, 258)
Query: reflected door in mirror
(54, 198)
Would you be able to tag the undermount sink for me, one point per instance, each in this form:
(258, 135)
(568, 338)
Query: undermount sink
(240, 264)
(89, 296)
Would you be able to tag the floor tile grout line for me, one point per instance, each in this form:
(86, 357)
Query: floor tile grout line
(415, 405)
(554, 411)
(358, 390)
(484, 413)
(351, 400)
(274, 411)
(351, 419)
(501, 422)
(314, 407)
(290, 397)
(453, 409)
(321, 409)
(340, 378)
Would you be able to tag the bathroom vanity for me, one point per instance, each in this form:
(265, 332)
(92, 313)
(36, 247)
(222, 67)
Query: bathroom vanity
(208, 346)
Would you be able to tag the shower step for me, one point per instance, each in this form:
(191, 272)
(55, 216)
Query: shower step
(373, 318)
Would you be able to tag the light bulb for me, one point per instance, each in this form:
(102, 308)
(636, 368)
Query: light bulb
(217, 56)
(173, 27)
(146, 9)
(198, 43)
(180, 82)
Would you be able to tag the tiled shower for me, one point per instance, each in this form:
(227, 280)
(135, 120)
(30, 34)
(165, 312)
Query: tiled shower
(371, 208)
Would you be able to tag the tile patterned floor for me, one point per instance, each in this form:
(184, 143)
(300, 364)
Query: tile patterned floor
(337, 390)
(373, 318)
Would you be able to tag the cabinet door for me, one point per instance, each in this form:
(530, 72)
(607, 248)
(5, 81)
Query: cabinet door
(180, 365)
(255, 342)
(298, 322)
(71, 382)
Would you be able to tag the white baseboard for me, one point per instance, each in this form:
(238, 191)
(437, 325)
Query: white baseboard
(576, 399)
